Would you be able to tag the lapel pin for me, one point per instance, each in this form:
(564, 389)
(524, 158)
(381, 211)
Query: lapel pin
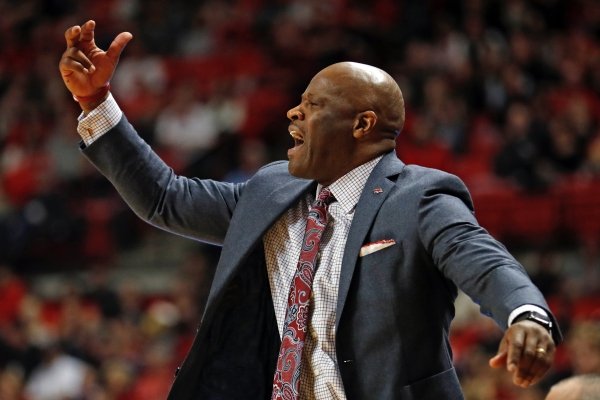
(378, 190)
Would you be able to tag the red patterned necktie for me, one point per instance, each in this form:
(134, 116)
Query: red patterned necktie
(287, 374)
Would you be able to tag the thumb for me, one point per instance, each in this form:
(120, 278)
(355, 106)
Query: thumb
(499, 360)
(118, 44)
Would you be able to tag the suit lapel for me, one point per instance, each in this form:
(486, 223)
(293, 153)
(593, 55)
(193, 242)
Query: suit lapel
(256, 212)
(376, 190)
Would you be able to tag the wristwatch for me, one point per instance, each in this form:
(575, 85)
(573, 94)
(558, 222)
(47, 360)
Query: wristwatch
(537, 318)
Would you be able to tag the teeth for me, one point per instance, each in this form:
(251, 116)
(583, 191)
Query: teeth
(295, 135)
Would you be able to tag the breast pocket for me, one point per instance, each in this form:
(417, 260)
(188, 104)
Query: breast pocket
(380, 269)
(376, 252)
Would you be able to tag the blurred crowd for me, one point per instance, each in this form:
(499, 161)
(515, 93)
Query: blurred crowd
(503, 93)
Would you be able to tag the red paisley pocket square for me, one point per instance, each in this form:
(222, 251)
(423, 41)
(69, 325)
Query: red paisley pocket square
(376, 246)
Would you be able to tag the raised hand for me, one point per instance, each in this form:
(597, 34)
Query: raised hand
(527, 352)
(85, 68)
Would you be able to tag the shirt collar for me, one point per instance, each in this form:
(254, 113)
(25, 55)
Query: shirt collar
(348, 188)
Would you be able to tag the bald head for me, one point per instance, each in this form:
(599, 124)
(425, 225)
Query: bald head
(349, 114)
(579, 387)
(369, 88)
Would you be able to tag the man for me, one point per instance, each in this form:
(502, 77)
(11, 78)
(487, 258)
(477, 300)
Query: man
(395, 242)
(579, 387)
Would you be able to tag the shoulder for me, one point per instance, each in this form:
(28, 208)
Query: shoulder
(430, 178)
(274, 168)
(424, 186)
(275, 171)
(273, 175)
(414, 176)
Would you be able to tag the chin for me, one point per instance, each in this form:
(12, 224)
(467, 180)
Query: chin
(297, 172)
(293, 170)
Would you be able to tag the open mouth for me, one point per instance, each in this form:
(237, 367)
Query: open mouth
(298, 140)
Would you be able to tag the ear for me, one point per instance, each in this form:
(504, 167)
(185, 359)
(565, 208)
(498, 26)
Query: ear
(364, 124)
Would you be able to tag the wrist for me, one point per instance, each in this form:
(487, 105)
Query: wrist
(540, 319)
(88, 103)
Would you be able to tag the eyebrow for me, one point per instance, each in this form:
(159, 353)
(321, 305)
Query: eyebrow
(311, 97)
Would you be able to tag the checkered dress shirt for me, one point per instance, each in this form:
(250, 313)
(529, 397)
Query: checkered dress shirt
(319, 374)
(99, 121)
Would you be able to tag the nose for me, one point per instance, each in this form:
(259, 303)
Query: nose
(294, 114)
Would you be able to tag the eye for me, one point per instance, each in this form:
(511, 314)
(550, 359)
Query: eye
(309, 102)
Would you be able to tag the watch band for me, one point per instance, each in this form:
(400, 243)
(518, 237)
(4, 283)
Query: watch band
(538, 318)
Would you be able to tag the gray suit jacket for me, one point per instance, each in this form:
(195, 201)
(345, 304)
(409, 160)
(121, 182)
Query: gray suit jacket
(394, 306)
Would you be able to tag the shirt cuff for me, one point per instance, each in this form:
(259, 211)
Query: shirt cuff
(524, 308)
(99, 121)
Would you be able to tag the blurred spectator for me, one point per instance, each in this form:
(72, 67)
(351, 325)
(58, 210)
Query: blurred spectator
(12, 292)
(519, 159)
(102, 294)
(591, 165)
(447, 112)
(117, 378)
(11, 384)
(252, 154)
(584, 347)
(58, 377)
(564, 148)
(138, 70)
(580, 387)
(156, 376)
(546, 275)
(139, 84)
(215, 25)
(186, 129)
(228, 105)
(418, 144)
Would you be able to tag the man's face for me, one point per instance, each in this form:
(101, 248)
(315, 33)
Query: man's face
(322, 127)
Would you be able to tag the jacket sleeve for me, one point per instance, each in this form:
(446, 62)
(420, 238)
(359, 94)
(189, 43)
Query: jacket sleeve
(468, 255)
(195, 208)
